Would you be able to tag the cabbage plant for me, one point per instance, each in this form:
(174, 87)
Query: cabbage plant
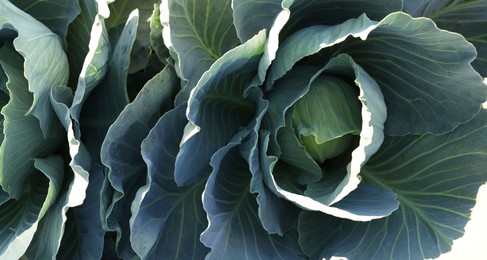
(218, 129)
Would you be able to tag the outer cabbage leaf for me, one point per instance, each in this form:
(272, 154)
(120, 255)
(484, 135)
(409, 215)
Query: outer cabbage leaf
(120, 152)
(272, 43)
(119, 13)
(465, 17)
(269, 15)
(167, 220)
(55, 14)
(156, 40)
(24, 214)
(419, 74)
(197, 33)
(263, 14)
(95, 58)
(311, 40)
(83, 232)
(79, 34)
(105, 103)
(47, 238)
(108, 99)
(415, 7)
(305, 13)
(218, 100)
(17, 154)
(436, 179)
(20, 218)
(41, 71)
(234, 229)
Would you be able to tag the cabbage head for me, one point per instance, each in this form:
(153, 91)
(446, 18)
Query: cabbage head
(240, 129)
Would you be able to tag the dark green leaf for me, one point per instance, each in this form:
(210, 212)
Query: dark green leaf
(120, 151)
(234, 229)
(419, 69)
(197, 33)
(250, 16)
(465, 17)
(55, 14)
(167, 219)
(78, 37)
(83, 232)
(17, 154)
(305, 13)
(156, 39)
(41, 71)
(119, 13)
(20, 218)
(218, 108)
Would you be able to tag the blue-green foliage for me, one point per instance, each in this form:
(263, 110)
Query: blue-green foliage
(219, 129)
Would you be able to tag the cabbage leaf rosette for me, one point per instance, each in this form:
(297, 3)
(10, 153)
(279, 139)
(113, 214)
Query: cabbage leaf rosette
(355, 129)
(240, 129)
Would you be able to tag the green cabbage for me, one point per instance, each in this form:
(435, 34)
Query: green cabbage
(293, 129)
